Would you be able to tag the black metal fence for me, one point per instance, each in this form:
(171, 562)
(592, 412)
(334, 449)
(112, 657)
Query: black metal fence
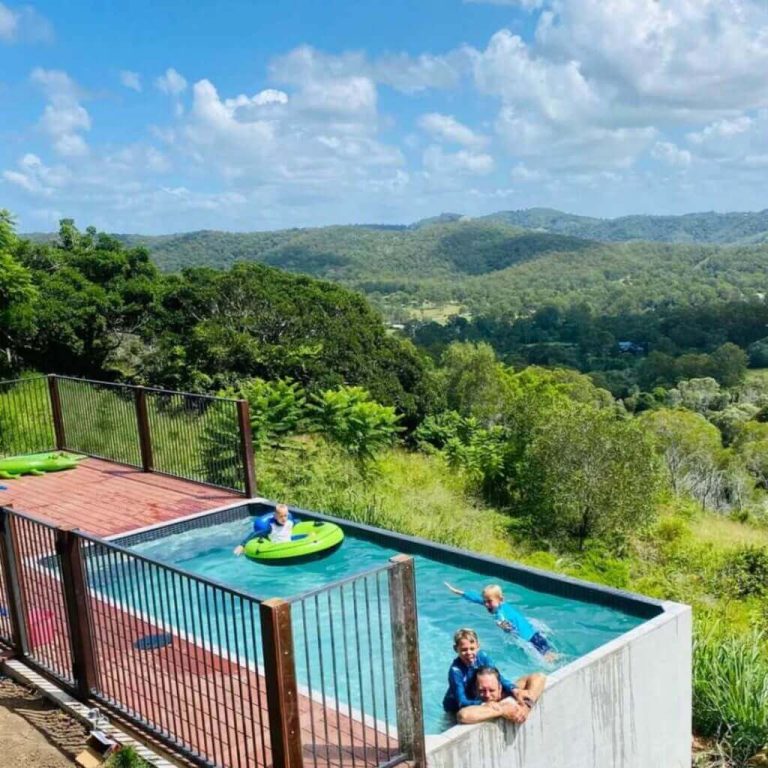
(195, 437)
(328, 678)
(26, 419)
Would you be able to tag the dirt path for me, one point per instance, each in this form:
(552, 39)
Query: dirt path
(34, 733)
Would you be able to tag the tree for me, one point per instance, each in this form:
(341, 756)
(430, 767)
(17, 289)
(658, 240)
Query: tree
(361, 427)
(18, 294)
(475, 383)
(729, 364)
(691, 448)
(588, 475)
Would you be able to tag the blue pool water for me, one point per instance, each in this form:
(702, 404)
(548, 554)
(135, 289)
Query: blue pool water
(573, 627)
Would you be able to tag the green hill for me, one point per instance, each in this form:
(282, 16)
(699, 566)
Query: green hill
(489, 265)
(721, 228)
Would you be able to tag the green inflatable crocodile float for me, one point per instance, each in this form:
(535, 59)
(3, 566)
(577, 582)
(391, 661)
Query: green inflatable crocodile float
(36, 464)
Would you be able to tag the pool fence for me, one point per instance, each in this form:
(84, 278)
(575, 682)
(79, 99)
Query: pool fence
(219, 676)
(195, 437)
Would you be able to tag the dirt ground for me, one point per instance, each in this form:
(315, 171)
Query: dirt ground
(34, 733)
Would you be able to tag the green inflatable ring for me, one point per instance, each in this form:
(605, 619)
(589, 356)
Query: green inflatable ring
(310, 540)
(36, 464)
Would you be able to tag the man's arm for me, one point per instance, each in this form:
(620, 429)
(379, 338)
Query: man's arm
(509, 709)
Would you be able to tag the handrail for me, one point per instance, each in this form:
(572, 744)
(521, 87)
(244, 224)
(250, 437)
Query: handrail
(156, 390)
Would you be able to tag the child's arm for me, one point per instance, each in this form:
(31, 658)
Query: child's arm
(473, 597)
(260, 528)
(458, 688)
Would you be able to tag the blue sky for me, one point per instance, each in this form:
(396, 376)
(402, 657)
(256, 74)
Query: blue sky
(166, 117)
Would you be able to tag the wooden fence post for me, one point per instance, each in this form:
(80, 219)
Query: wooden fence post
(142, 421)
(282, 693)
(56, 412)
(246, 447)
(12, 580)
(75, 591)
(405, 649)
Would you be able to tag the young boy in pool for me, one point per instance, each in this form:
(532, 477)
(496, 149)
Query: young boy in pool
(461, 675)
(276, 527)
(509, 619)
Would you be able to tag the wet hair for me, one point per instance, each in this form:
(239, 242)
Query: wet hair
(493, 590)
(464, 634)
(281, 506)
(486, 670)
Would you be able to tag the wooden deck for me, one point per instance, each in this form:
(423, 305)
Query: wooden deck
(186, 691)
(103, 498)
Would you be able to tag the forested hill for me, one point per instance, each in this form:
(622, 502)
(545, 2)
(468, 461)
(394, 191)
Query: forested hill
(720, 228)
(485, 266)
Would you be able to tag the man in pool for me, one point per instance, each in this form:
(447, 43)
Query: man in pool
(496, 703)
(277, 527)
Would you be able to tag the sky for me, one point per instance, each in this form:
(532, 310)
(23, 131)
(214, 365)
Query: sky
(159, 117)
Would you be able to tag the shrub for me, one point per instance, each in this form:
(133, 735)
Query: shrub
(745, 573)
(126, 757)
(730, 691)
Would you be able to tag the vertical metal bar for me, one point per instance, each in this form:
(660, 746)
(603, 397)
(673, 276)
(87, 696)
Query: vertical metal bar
(360, 670)
(319, 643)
(76, 603)
(264, 731)
(12, 578)
(347, 676)
(309, 679)
(246, 447)
(372, 656)
(381, 656)
(334, 673)
(282, 693)
(58, 416)
(405, 650)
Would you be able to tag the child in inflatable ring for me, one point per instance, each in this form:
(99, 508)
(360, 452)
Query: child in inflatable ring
(276, 527)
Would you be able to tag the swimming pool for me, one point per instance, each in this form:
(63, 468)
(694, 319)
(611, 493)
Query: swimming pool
(574, 626)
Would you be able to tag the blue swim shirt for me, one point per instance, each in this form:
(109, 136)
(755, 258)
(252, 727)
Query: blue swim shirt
(507, 617)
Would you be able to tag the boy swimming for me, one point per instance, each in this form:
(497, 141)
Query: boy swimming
(507, 618)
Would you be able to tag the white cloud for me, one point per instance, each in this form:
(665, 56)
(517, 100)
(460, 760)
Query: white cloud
(671, 154)
(527, 4)
(439, 162)
(171, 82)
(405, 73)
(64, 118)
(698, 55)
(131, 80)
(448, 128)
(9, 23)
(739, 142)
(24, 25)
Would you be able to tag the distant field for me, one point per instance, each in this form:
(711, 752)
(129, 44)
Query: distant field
(758, 376)
(439, 313)
(724, 533)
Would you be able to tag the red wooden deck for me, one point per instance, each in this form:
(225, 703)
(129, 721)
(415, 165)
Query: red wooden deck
(104, 498)
(211, 705)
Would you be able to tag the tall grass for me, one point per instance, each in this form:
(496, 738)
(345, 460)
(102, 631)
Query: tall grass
(411, 493)
(730, 690)
(26, 424)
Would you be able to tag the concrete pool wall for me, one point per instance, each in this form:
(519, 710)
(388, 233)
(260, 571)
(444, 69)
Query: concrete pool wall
(627, 704)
